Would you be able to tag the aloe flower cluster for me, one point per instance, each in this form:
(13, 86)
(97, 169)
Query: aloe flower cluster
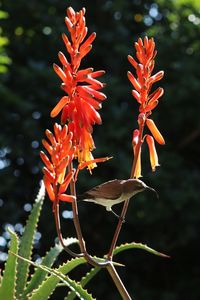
(148, 100)
(78, 111)
(61, 152)
(79, 108)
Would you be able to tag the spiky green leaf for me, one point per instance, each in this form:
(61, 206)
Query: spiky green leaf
(40, 274)
(58, 275)
(140, 246)
(72, 295)
(47, 261)
(7, 289)
(26, 244)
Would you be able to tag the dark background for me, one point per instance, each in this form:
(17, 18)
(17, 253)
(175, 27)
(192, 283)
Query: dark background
(29, 43)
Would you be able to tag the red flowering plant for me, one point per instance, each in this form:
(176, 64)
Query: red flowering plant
(148, 100)
(68, 149)
(79, 110)
(80, 106)
(72, 140)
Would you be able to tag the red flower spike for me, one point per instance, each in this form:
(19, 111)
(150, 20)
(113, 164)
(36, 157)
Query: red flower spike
(83, 98)
(145, 52)
(56, 178)
(142, 83)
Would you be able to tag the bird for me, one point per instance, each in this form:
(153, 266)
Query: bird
(113, 192)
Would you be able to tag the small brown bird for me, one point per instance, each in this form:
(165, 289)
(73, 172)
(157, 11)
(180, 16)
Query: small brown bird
(113, 192)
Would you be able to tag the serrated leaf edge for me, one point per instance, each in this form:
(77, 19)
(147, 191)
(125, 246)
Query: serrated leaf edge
(134, 245)
(13, 234)
(38, 200)
(59, 275)
(84, 280)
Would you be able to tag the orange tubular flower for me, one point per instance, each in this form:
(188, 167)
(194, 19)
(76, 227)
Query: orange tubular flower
(61, 152)
(79, 107)
(142, 83)
(152, 151)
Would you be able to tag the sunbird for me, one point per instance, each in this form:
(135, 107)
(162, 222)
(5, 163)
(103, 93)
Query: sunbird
(113, 192)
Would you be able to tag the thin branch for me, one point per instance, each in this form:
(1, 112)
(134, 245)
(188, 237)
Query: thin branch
(59, 233)
(126, 203)
(89, 259)
(119, 284)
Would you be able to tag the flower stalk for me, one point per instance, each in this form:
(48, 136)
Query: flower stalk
(145, 52)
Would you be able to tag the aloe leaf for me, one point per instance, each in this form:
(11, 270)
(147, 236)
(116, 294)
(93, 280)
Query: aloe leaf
(72, 295)
(49, 285)
(26, 244)
(39, 275)
(56, 275)
(7, 289)
(45, 291)
(141, 246)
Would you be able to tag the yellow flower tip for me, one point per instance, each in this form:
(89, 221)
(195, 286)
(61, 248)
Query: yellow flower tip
(138, 168)
(61, 177)
(153, 153)
(108, 158)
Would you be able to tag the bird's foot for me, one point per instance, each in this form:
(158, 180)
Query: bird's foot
(122, 219)
(119, 217)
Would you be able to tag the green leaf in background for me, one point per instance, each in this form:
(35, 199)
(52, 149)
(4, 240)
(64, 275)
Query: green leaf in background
(7, 289)
(57, 275)
(40, 275)
(72, 295)
(49, 285)
(140, 246)
(26, 245)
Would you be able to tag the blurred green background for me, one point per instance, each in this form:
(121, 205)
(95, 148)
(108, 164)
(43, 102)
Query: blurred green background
(29, 42)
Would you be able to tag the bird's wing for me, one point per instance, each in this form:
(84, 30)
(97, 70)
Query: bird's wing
(109, 190)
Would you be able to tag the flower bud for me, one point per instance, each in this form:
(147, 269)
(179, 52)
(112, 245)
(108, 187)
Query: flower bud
(155, 132)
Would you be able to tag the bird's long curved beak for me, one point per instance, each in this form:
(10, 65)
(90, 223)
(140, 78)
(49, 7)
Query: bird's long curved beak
(151, 189)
